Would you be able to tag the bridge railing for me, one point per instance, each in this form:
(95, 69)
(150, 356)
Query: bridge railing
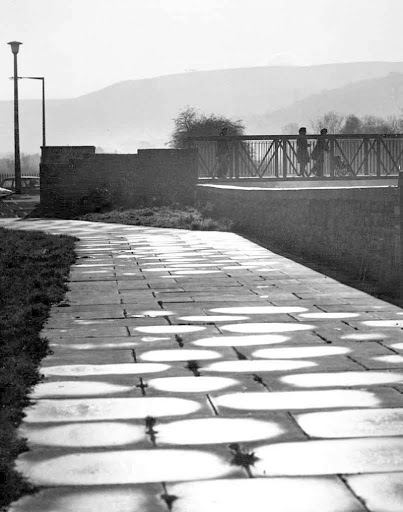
(275, 156)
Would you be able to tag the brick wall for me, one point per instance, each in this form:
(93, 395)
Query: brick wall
(62, 154)
(354, 227)
(149, 177)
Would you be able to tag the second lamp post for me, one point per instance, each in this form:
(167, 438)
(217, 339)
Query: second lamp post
(43, 104)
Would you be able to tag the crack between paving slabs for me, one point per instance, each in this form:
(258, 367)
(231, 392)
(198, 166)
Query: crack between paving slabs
(358, 498)
(169, 499)
(329, 342)
(211, 404)
(257, 378)
(348, 356)
(389, 348)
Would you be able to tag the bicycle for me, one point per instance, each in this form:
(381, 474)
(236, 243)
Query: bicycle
(341, 168)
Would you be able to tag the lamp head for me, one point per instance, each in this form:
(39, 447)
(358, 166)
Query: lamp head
(15, 46)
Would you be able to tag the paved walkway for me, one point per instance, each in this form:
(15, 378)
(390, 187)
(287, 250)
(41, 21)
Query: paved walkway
(198, 372)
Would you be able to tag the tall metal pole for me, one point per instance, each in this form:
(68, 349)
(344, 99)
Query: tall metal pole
(43, 105)
(400, 188)
(43, 115)
(17, 162)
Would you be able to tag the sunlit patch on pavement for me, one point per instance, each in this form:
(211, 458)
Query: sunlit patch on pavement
(288, 400)
(216, 430)
(267, 327)
(347, 379)
(241, 341)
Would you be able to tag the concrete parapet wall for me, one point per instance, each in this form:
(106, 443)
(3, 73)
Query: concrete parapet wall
(74, 184)
(356, 227)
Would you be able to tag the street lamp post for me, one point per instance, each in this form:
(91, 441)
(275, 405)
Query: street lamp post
(15, 45)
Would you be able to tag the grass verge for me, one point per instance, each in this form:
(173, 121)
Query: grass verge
(33, 270)
(162, 217)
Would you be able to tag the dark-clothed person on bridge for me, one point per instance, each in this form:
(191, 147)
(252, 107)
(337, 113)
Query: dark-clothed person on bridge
(318, 153)
(302, 150)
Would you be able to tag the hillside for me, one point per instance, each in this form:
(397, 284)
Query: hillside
(134, 114)
(379, 96)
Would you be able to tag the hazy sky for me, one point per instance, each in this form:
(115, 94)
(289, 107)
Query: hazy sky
(84, 45)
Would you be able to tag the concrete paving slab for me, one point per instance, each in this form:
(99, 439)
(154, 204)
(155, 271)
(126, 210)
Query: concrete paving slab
(380, 492)
(67, 308)
(122, 467)
(134, 321)
(92, 278)
(178, 354)
(384, 362)
(102, 499)
(84, 332)
(96, 409)
(262, 494)
(82, 314)
(329, 457)
(346, 379)
(95, 356)
(297, 400)
(76, 370)
(247, 366)
(90, 301)
(80, 387)
(353, 423)
(64, 344)
(216, 430)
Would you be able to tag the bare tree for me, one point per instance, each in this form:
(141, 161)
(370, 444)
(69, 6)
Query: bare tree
(331, 120)
(374, 124)
(190, 123)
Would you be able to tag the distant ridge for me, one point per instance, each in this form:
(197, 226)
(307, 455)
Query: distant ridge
(381, 97)
(133, 114)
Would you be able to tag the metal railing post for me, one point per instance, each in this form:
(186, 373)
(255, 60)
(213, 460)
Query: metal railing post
(366, 150)
(378, 157)
(230, 159)
(284, 158)
(236, 158)
(331, 158)
(276, 150)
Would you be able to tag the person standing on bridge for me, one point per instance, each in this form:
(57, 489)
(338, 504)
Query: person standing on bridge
(302, 150)
(318, 153)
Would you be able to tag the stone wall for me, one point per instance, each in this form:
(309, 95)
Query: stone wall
(357, 228)
(85, 181)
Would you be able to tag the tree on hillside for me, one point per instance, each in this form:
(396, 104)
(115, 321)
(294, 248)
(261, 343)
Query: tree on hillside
(352, 124)
(331, 120)
(190, 122)
(290, 129)
(373, 124)
(396, 123)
